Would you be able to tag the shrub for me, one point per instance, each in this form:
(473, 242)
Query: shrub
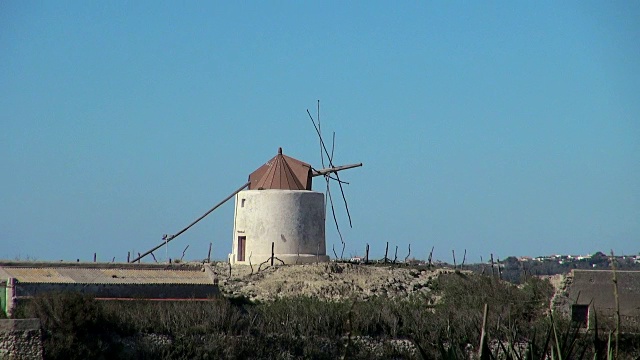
(74, 327)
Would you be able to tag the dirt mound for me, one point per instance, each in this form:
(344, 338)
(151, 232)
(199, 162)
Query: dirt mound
(330, 281)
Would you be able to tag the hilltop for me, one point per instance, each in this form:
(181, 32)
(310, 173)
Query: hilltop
(329, 281)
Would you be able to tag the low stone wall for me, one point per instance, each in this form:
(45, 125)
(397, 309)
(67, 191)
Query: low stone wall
(123, 291)
(20, 339)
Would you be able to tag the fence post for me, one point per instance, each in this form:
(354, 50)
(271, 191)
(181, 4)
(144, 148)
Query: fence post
(366, 255)
(272, 253)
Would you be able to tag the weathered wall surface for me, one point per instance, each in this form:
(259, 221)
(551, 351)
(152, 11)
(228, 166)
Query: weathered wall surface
(292, 219)
(20, 339)
(595, 287)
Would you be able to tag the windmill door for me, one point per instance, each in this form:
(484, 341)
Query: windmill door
(242, 247)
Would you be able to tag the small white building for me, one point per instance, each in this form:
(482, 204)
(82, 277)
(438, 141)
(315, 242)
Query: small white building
(279, 212)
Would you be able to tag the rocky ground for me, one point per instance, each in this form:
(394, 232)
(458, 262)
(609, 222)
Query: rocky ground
(331, 281)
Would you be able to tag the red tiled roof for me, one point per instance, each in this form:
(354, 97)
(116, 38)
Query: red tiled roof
(282, 172)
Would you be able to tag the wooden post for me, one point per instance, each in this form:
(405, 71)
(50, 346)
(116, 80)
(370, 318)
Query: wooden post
(209, 254)
(386, 250)
(617, 299)
(272, 253)
(407, 258)
(464, 257)
(139, 259)
(128, 256)
(366, 255)
(395, 257)
(183, 253)
(95, 257)
(454, 258)
(483, 333)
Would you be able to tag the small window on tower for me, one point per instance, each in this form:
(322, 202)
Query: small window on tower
(242, 203)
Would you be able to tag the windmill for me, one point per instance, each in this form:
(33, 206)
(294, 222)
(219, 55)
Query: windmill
(278, 214)
(327, 175)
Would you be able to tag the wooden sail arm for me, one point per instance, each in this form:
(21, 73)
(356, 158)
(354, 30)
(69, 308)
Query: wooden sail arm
(334, 169)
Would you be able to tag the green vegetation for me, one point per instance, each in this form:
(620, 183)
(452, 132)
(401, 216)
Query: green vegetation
(519, 326)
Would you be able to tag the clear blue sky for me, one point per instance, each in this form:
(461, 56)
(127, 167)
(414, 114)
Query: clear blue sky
(502, 127)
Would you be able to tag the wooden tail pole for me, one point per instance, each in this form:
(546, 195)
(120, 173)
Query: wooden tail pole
(171, 237)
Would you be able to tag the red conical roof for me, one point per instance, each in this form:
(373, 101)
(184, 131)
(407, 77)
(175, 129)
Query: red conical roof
(282, 172)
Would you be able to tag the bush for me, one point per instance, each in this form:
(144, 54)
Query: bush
(74, 326)
(77, 326)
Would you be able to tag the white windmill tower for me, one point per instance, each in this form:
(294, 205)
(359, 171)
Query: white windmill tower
(280, 215)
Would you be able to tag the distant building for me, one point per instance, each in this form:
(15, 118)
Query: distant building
(587, 291)
(21, 281)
